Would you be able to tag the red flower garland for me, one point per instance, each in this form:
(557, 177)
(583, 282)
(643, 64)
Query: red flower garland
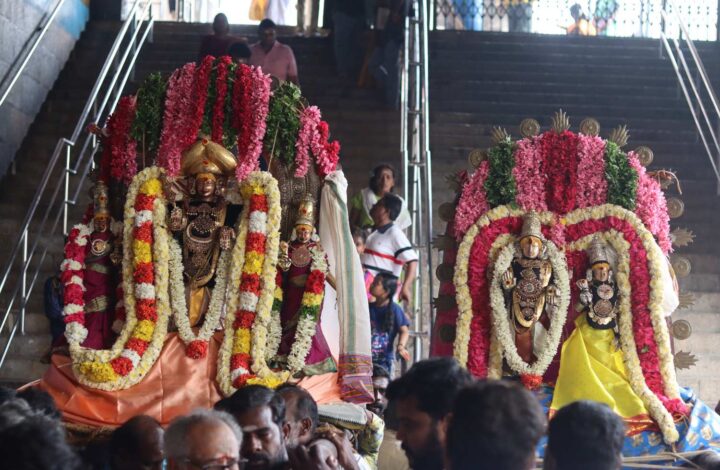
(560, 152)
(177, 118)
(123, 163)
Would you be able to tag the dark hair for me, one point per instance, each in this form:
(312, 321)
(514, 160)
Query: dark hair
(392, 203)
(586, 435)
(380, 372)
(129, 438)
(239, 49)
(254, 396)
(267, 23)
(220, 18)
(359, 233)
(7, 394)
(390, 284)
(374, 183)
(495, 424)
(305, 406)
(41, 401)
(433, 382)
(36, 443)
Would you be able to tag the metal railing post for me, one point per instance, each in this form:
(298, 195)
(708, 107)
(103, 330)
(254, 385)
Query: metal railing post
(66, 190)
(24, 282)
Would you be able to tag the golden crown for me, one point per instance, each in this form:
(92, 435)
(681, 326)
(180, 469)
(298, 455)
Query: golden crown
(531, 226)
(206, 156)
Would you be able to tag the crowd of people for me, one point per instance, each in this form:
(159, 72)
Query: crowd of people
(436, 416)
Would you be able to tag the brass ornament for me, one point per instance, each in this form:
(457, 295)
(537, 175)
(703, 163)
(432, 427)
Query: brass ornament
(681, 329)
(445, 272)
(560, 122)
(590, 126)
(446, 333)
(675, 207)
(684, 360)
(476, 157)
(444, 302)
(447, 211)
(681, 237)
(443, 242)
(529, 127)
(681, 265)
(498, 135)
(619, 136)
(645, 155)
(687, 300)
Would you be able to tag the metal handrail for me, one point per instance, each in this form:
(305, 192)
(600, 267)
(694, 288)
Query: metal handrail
(25, 58)
(683, 72)
(120, 63)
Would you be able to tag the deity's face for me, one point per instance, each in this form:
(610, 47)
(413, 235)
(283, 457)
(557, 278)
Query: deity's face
(205, 185)
(531, 247)
(601, 272)
(101, 223)
(303, 233)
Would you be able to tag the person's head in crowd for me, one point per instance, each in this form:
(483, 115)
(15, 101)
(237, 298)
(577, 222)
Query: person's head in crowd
(586, 435)
(137, 445)
(386, 210)
(380, 380)
(301, 414)
(260, 412)
(30, 440)
(494, 424)
(422, 400)
(240, 52)
(384, 287)
(41, 401)
(7, 394)
(202, 439)
(382, 179)
(267, 33)
(359, 238)
(221, 27)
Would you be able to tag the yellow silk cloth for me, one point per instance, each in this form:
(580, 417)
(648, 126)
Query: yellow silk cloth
(591, 368)
(175, 385)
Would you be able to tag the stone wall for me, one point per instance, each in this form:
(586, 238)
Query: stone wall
(18, 20)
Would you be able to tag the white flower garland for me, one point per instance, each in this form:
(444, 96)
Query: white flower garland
(503, 329)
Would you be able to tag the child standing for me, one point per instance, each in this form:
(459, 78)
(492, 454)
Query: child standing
(387, 321)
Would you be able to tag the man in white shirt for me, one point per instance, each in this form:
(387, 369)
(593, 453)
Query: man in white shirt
(387, 249)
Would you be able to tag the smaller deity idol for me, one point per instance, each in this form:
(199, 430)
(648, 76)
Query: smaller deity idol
(296, 261)
(531, 293)
(598, 293)
(200, 222)
(100, 274)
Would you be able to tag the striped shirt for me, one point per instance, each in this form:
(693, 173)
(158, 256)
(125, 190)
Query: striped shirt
(387, 249)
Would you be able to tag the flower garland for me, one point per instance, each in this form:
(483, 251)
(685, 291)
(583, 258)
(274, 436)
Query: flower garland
(528, 175)
(309, 313)
(145, 278)
(197, 344)
(176, 118)
(500, 186)
(503, 328)
(327, 154)
(203, 87)
(256, 89)
(275, 325)
(123, 148)
(591, 183)
(621, 178)
(309, 120)
(560, 166)
(651, 205)
(473, 200)
(72, 275)
(242, 358)
(221, 89)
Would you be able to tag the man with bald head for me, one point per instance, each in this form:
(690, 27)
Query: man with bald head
(202, 439)
(301, 414)
(137, 444)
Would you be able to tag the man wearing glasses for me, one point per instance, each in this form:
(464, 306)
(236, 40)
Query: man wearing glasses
(203, 440)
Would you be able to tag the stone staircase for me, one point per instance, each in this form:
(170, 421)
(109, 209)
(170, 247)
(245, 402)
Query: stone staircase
(478, 80)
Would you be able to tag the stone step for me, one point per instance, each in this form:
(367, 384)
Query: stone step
(22, 369)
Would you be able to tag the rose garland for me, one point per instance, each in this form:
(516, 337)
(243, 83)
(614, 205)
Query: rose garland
(473, 200)
(242, 358)
(591, 183)
(123, 148)
(72, 275)
(309, 310)
(176, 118)
(651, 205)
(197, 344)
(529, 181)
(327, 154)
(145, 279)
(560, 166)
(500, 316)
(255, 105)
(309, 120)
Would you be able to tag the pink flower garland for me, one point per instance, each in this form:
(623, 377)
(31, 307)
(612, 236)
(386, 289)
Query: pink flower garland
(309, 120)
(257, 107)
(591, 182)
(123, 151)
(176, 118)
(327, 154)
(473, 201)
(651, 206)
(529, 176)
(221, 86)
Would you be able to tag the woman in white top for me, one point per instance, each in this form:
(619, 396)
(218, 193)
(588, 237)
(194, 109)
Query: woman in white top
(382, 181)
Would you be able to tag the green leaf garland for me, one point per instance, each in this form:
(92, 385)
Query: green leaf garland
(283, 122)
(147, 125)
(206, 128)
(229, 132)
(622, 179)
(500, 184)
